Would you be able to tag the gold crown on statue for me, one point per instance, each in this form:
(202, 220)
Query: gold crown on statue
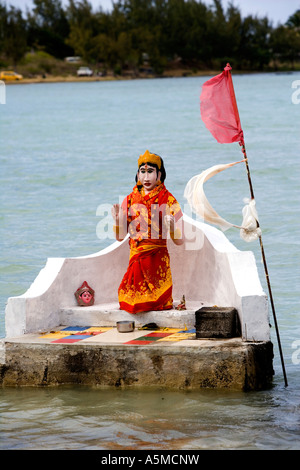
(149, 158)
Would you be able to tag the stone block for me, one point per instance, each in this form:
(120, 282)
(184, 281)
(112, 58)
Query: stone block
(217, 322)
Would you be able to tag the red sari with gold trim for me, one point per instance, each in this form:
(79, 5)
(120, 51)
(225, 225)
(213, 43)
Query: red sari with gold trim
(147, 283)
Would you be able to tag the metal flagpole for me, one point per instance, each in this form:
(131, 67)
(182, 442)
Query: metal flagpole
(242, 143)
(219, 120)
(266, 269)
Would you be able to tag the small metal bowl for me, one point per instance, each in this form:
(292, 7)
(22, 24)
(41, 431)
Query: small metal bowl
(125, 326)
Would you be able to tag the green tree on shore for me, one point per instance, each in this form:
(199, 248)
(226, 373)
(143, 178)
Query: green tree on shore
(155, 33)
(285, 41)
(48, 28)
(13, 34)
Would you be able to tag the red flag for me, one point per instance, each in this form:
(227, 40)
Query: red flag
(219, 109)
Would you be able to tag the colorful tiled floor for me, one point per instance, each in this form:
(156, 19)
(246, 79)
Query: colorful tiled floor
(73, 334)
(138, 337)
(171, 335)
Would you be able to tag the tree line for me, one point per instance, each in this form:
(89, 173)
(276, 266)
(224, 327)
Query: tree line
(158, 33)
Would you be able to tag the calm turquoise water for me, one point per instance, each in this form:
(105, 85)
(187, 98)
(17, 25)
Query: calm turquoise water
(66, 149)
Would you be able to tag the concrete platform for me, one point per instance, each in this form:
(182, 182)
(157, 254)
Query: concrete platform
(207, 269)
(167, 357)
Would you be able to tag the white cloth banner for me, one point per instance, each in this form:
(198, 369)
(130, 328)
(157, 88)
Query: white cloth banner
(194, 193)
(249, 230)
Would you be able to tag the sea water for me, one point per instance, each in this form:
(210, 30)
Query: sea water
(68, 150)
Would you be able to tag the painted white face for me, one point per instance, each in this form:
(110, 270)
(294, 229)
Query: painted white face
(148, 177)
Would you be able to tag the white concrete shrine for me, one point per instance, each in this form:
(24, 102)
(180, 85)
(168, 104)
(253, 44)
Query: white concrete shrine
(207, 269)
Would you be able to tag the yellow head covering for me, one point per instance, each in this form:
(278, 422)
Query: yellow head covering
(149, 158)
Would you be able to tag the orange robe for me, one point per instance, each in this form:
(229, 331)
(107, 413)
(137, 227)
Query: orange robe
(147, 283)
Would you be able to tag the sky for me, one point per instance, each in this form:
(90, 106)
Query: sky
(278, 11)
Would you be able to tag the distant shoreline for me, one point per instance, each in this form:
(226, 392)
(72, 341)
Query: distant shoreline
(106, 78)
(129, 76)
